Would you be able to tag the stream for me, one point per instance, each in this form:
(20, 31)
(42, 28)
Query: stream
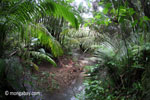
(68, 93)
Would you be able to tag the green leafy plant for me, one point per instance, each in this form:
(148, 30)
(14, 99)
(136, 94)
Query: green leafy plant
(95, 91)
(28, 11)
(43, 56)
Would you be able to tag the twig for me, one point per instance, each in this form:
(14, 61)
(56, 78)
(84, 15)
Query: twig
(13, 53)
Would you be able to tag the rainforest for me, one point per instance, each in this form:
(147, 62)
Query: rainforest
(74, 49)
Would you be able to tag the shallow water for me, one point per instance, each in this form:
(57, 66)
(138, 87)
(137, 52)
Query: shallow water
(68, 93)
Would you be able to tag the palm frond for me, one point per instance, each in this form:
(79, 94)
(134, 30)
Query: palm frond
(46, 39)
(61, 11)
(14, 14)
(42, 56)
(82, 36)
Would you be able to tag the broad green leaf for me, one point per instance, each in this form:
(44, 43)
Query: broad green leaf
(134, 23)
(131, 11)
(98, 16)
(108, 5)
(146, 18)
(105, 11)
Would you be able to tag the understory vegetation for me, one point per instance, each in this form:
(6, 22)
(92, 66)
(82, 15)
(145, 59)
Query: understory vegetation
(38, 32)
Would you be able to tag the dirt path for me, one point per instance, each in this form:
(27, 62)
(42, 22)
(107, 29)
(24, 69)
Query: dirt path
(64, 81)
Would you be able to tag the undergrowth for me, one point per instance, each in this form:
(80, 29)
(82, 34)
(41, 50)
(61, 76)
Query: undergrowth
(126, 79)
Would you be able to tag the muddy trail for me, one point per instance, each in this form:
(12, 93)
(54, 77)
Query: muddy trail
(66, 80)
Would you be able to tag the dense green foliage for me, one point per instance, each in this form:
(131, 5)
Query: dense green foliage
(124, 54)
(35, 31)
(127, 79)
(25, 35)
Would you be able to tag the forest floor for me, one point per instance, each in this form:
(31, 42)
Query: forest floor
(70, 70)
